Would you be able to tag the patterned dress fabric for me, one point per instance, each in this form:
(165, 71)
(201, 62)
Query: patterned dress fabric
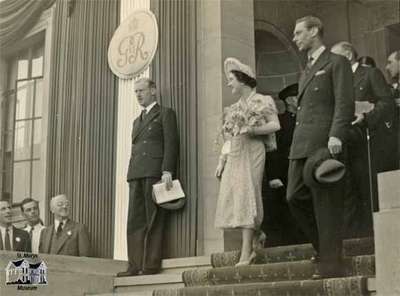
(240, 200)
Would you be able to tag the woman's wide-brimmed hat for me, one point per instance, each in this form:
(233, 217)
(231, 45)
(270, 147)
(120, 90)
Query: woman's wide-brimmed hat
(234, 64)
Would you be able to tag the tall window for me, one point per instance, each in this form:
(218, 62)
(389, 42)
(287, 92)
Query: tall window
(23, 172)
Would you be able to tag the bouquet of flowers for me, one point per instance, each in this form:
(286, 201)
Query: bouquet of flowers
(238, 117)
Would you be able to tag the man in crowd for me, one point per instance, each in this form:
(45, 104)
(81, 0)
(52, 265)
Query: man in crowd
(30, 211)
(11, 238)
(278, 223)
(369, 86)
(324, 114)
(393, 68)
(64, 237)
(154, 156)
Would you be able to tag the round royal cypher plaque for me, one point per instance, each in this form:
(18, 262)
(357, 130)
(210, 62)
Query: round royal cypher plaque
(134, 44)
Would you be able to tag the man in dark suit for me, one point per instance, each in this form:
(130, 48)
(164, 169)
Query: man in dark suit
(154, 157)
(369, 86)
(393, 69)
(64, 237)
(324, 114)
(11, 238)
(279, 224)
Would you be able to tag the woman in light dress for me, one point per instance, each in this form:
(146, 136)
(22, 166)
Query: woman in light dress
(242, 159)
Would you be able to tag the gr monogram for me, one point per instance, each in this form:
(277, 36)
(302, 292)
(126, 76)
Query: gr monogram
(131, 48)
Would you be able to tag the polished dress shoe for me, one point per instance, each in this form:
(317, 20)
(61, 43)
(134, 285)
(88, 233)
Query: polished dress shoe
(328, 271)
(127, 273)
(150, 271)
(315, 259)
(325, 275)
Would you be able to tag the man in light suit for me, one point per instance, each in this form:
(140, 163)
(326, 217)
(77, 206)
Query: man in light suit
(64, 237)
(30, 211)
(11, 238)
(324, 114)
(369, 86)
(154, 157)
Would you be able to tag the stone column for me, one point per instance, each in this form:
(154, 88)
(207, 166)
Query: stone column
(226, 29)
(128, 110)
(387, 235)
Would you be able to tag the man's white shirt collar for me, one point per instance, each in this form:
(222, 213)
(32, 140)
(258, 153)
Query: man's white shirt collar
(354, 67)
(11, 234)
(36, 227)
(57, 222)
(3, 229)
(316, 54)
(149, 107)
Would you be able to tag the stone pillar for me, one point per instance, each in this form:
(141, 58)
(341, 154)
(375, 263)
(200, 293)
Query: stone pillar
(226, 29)
(387, 235)
(128, 109)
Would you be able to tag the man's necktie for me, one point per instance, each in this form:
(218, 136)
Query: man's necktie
(59, 229)
(31, 232)
(309, 64)
(7, 242)
(143, 115)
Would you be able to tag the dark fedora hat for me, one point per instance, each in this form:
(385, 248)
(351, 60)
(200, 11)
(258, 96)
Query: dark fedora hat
(321, 169)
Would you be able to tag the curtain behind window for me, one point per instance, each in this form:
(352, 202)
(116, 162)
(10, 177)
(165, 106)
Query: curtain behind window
(17, 17)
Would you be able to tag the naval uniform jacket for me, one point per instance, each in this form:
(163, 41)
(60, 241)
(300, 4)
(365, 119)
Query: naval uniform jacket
(370, 85)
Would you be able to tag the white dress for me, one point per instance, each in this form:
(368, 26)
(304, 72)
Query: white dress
(240, 200)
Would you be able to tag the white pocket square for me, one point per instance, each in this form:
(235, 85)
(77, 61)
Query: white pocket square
(320, 72)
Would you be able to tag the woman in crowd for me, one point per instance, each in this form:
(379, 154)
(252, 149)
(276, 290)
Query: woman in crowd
(248, 131)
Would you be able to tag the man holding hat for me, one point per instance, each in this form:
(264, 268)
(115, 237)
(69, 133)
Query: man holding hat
(324, 114)
(154, 157)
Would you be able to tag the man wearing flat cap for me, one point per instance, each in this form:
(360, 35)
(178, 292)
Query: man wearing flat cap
(324, 114)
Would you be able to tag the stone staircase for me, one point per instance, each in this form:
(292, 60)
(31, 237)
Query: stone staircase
(280, 271)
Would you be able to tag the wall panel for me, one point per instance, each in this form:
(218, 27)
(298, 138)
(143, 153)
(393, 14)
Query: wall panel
(83, 112)
(174, 71)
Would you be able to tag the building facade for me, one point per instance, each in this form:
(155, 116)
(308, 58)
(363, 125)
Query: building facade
(66, 118)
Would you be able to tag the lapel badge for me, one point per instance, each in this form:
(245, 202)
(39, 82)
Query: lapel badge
(17, 239)
(69, 232)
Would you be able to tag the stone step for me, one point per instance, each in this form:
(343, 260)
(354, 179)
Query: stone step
(347, 286)
(272, 272)
(351, 247)
(145, 284)
(170, 276)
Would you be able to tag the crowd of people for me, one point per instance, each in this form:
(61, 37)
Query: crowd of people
(63, 237)
(338, 127)
(301, 167)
